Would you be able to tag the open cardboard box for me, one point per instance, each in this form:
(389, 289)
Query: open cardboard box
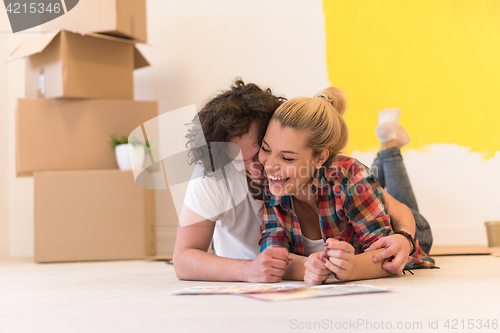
(122, 18)
(54, 134)
(92, 215)
(65, 64)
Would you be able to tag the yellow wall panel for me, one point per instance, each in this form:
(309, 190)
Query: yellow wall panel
(438, 61)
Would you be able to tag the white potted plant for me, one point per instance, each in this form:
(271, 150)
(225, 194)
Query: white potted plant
(128, 155)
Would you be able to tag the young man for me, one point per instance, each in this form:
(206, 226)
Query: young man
(240, 116)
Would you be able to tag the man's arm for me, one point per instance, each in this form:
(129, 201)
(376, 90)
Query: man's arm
(396, 246)
(193, 262)
(401, 216)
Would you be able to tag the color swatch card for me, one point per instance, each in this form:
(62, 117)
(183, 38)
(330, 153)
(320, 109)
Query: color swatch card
(318, 291)
(238, 290)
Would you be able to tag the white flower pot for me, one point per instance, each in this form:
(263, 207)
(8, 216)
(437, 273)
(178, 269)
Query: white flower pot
(129, 156)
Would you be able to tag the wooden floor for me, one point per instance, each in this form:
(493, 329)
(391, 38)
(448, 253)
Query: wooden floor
(135, 296)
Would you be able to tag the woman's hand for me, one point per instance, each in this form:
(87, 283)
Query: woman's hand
(341, 258)
(316, 272)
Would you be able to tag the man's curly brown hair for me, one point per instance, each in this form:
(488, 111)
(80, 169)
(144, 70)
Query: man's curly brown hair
(227, 116)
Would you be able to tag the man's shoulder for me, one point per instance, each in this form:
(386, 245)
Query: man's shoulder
(199, 184)
(216, 194)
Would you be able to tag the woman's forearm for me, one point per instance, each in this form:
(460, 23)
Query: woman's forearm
(364, 268)
(295, 269)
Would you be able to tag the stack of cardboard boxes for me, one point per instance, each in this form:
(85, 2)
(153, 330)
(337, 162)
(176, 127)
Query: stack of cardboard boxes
(79, 91)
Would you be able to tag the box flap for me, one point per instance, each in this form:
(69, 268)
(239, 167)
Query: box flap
(38, 44)
(121, 18)
(117, 39)
(32, 46)
(139, 60)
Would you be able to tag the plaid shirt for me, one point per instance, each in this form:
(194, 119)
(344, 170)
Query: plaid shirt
(350, 205)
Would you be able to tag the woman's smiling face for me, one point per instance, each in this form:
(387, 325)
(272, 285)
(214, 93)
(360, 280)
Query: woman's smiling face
(288, 162)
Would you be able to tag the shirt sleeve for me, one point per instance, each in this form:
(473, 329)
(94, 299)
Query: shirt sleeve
(364, 206)
(420, 259)
(273, 234)
(207, 197)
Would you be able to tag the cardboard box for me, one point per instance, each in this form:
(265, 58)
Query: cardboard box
(70, 65)
(122, 18)
(73, 135)
(92, 215)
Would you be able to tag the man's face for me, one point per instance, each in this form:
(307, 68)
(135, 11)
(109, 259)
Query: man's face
(248, 159)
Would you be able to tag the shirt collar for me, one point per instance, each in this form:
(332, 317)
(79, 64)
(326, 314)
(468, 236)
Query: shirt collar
(284, 201)
(319, 180)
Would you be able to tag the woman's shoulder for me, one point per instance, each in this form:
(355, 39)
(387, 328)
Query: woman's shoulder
(344, 166)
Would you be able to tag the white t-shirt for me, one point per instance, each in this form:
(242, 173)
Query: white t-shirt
(312, 245)
(236, 214)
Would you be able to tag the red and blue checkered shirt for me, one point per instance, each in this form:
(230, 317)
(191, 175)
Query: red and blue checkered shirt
(350, 205)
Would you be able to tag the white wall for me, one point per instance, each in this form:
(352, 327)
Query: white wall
(4, 143)
(20, 190)
(198, 47)
(455, 191)
(195, 48)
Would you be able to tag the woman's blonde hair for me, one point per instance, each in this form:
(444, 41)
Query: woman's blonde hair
(322, 116)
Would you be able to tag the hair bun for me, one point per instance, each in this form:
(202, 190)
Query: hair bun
(335, 97)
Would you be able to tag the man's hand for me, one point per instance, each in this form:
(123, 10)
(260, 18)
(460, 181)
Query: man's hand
(269, 266)
(397, 249)
(316, 272)
(341, 258)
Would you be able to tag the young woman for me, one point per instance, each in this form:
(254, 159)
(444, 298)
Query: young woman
(320, 203)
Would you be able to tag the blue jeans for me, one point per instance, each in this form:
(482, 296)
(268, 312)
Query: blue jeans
(391, 173)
